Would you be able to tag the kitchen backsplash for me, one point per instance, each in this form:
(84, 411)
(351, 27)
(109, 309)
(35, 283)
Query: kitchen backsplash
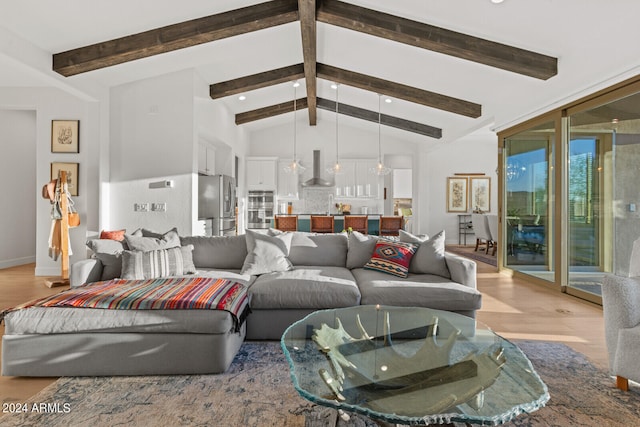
(322, 200)
(318, 200)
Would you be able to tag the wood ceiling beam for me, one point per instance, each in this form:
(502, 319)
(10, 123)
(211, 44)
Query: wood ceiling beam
(256, 81)
(400, 91)
(176, 36)
(437, 39)
(270, 111)
(307, 12)
(345, 109)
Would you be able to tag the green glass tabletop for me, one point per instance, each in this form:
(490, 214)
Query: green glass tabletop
(409, 365)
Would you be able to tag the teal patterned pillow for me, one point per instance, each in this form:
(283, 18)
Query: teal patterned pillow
(392, 257)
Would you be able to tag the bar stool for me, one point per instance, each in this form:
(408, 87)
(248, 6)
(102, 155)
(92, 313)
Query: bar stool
(358, 223)
(321, 224)
(390, 225)
(286, 222)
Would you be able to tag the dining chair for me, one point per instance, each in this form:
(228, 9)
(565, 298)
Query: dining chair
(390, 225)
(358, 223)
(492, 222)
(481, 230)
(322, 224)
(286, 222)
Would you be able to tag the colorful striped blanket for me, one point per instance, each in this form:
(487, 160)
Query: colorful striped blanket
(183, 293)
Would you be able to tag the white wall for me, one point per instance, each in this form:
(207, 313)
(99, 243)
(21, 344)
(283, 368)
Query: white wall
(475, 153)
(152, 140)
(18, 178)
(51, 104)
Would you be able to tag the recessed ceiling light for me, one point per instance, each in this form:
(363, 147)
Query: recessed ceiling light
(334, 86)
(496, 1)
(388, 100)
(296, 84)
(242, 97)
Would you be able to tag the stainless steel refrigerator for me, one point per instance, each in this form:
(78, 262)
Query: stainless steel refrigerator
(217, 204)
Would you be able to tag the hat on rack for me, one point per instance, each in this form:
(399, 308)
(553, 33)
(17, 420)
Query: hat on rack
(49, 190)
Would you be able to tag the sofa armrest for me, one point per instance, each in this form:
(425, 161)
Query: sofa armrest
(85, 271)
(621, 307)
(463, 270)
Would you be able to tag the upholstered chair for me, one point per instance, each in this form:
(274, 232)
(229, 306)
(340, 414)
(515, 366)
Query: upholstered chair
(481, 230)
(621, 306)
(286, 222)
(492, 222)
(321, 224)
(358, 223)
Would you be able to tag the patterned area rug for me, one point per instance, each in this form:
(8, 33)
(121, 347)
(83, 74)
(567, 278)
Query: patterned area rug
(257, 391)
(469, 252)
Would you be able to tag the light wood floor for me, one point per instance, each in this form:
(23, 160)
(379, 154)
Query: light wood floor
(512, 307)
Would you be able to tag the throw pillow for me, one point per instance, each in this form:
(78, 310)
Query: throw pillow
(138, 265)
(361, 248)
(109, 253)
(266, 254)
(170, 239)
(429, 258)
(392, 258)
(112, 235)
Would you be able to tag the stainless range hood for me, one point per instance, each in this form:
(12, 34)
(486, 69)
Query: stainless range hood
(316, 181)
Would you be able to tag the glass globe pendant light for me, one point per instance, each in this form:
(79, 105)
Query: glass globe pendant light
(294, 167)
(380, 168)
(336, 169)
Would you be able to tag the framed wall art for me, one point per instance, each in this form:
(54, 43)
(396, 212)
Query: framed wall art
(72, 174)
(65, 136)
(480, 194)
(456, 194)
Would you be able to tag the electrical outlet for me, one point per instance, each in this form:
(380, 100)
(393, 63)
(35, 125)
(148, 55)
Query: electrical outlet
(159, 207)
(141, 207)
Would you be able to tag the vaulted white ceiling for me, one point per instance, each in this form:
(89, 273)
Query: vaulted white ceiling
(595, 43)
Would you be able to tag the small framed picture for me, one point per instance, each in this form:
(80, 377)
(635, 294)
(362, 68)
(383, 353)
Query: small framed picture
(65, 136)
(72, 174)
(456, 194)
(480, 194)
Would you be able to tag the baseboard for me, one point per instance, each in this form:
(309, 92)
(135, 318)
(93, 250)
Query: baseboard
(47, 271)
(17, 261)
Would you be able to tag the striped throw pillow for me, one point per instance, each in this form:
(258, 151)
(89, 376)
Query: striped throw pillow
(138, 265)
(392, 257)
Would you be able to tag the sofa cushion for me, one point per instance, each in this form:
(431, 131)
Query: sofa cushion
(318, 249)
(312, 287)
(417, 290)
(139, 242)
(429, 258)
(137, 265)
(109, 252)
(217, 251)
(266, 254)
(361, 248)
(392, 257)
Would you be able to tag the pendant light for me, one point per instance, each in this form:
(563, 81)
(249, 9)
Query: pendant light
(294, 168)
(380, 168)
(336, 169)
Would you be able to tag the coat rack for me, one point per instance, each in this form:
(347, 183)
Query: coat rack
(61, 190)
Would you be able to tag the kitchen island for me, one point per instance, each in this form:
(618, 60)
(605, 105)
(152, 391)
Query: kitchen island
(304, 222)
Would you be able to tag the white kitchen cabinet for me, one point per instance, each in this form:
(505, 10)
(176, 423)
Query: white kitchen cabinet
(287, 182)
(206, 159)
(261, 173)
(356, 181)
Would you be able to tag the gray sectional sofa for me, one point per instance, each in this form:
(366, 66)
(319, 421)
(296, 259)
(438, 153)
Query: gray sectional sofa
(313, 272)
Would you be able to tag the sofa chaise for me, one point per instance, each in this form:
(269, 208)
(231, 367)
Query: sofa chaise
(286, 275)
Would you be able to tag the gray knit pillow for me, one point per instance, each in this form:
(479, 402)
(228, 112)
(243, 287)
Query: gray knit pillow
(138, 265)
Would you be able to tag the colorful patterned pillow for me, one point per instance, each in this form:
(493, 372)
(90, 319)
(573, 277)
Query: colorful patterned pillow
(392, 257)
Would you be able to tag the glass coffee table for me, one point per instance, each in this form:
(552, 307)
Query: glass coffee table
(408, 365)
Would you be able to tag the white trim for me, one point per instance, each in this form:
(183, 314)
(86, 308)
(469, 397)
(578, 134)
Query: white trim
(17, 261)
(47, 271)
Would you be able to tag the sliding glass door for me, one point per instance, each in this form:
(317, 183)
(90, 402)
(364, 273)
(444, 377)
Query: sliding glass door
(528, 193)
